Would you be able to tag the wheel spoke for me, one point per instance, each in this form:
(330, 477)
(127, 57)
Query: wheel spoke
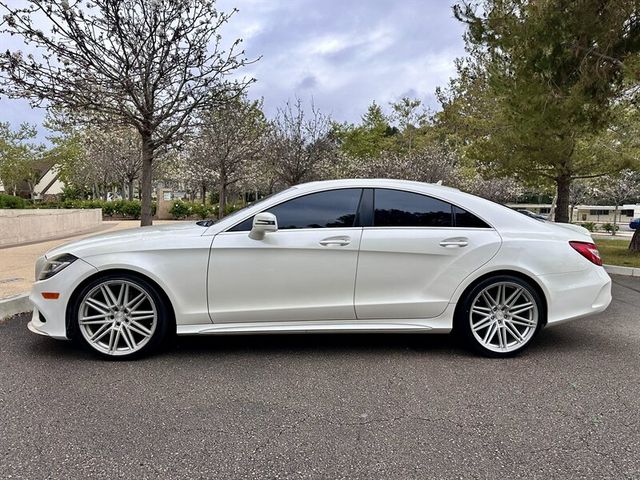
(97, 305)
(487, 298)
(139, 328)
(128, 339)
(525, 322)
(96, 322)
(524, 307)
(513, 297)
(482, 323)
(514, 331)
(108, 296)
(94, 317)
(490, 334)
(101, 332)
(120, 299)
(113, 340)
(138, 318)
(480, 310)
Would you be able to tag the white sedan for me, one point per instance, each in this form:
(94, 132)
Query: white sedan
(334, 256)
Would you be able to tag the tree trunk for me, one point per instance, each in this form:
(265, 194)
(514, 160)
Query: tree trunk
(146, 216)
(130, 190)
(222, 201)
(204, 194)
(634, 246)
(562, 206)
(615, 220)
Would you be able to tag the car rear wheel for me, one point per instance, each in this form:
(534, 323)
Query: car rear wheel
(120, 316)
(501, 315)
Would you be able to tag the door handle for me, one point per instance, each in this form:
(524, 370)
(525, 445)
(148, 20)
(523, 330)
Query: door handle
(338, 241)
(454, 242)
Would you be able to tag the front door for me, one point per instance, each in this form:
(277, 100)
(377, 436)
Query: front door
(305, 271)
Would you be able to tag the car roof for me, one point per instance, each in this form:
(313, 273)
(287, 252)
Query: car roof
(371, 182)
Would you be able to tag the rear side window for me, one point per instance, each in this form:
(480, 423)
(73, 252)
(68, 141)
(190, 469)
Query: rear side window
(330, 209)
(395, 208)
(464, 219)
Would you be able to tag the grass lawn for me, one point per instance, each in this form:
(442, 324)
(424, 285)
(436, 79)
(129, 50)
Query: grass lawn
(616, 252)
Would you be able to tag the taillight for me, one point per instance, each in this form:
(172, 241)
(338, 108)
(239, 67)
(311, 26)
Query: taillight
(588, 251)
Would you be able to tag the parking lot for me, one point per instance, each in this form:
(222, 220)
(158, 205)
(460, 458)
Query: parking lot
(329, 406)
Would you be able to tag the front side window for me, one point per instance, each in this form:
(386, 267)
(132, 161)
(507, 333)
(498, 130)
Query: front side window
(330, 209)
(395, 208)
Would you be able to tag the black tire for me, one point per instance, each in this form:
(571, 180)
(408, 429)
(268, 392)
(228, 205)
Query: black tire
(463, 317)
(163, 318)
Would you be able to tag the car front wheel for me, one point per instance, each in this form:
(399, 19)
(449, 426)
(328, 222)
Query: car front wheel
(120, 316)
(501, 315)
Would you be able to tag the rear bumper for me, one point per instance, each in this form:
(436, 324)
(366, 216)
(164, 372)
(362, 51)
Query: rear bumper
(576, 294)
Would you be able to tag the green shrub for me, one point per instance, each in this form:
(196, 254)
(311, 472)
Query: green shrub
(180, 209)
(202, 211)
(589, 226)
(131, 208)
(9, 201)
(607, 227)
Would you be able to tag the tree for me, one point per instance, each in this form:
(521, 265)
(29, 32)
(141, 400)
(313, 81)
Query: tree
(500, 190)
(370, 138)
(230, 138)
(579, 192)
(410, 116)
(18, 157)
(540, 77)
(148, 64)
(618, 188)
(300, 144)
(429, 164)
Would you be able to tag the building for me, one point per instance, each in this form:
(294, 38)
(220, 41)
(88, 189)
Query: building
(599, 214)
(49, 184)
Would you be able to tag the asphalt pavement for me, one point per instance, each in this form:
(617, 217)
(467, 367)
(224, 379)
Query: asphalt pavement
(329, 406)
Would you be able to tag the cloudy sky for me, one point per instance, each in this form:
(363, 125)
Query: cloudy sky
(343, 54)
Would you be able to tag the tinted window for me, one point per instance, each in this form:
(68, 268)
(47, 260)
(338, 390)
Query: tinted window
(468, 220)
(395, 208)
(331, 209)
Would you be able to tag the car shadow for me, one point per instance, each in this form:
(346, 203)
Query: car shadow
(216, 346)
(564, 339)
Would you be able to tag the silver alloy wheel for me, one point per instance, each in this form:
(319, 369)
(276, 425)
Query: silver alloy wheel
(503, 317)
(117, 317)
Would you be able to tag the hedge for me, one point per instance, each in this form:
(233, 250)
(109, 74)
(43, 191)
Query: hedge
(120, 208)
(9, 201)
(182, 209)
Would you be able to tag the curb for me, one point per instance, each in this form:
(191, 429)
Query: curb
(627, 271)
(14, 305)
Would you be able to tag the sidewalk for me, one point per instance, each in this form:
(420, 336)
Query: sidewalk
(17, 264)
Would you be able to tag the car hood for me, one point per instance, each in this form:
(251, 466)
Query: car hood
(128, 240)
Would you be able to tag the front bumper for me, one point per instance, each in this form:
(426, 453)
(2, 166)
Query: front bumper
(53, 312)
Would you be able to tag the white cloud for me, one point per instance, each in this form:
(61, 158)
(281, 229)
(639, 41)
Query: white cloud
(343, 54)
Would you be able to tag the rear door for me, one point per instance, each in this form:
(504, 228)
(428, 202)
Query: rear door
(416, 253)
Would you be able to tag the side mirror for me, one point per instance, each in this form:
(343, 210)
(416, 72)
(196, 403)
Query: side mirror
(262, 223)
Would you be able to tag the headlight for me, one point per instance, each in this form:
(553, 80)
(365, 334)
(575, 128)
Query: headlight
(55, 265)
